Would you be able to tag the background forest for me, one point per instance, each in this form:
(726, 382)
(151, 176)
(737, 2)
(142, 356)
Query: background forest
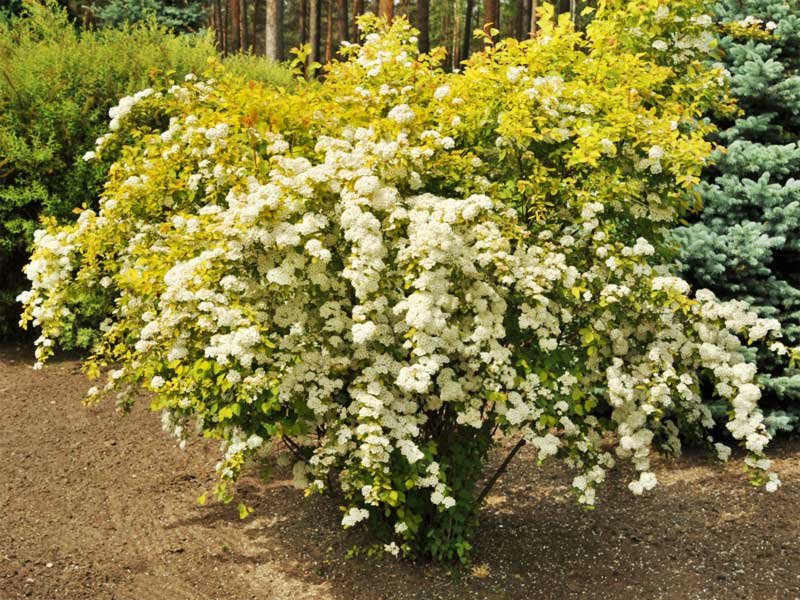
(272, 27)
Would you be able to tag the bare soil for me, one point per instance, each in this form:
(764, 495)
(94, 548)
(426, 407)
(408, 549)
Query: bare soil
(95, 505)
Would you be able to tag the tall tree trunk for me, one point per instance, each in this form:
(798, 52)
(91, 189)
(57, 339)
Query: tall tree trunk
(243, 25)
(467, 40)
(358, 10)
(534, 17)
(219, 26)
(329, 34)
(273, 32)
(314, 29)
(456, 38)
(491, 13)
(424, 25)
(303, 18)
(226, 19)
(573, 12)
(519, 20)
(386, 9)
(342, 22)
(259, 18)
(236, 24)
(446, 32)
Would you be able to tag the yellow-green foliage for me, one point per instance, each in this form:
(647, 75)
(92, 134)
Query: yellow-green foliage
(389, 268)
(56, 86)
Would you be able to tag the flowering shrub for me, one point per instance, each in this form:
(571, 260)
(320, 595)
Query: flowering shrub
(56, 87)
(393, 271)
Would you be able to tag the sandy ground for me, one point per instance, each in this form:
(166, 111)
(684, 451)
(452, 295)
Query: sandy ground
(101, 506)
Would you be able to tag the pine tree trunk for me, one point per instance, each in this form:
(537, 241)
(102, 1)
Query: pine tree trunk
(424, 25)
(525, 20)
(226, 42)
(273, 32)
(342, 22)
(219, 26)
(519, 19)
(358, 10)
(329, 34)
(491, 13)
(467, 39)
(303, 18)
(386, 9)
(314, 29)
(236, 23)
(257, 41)
(456, 37)
(446, 33)
(243, 25)
(534, 17)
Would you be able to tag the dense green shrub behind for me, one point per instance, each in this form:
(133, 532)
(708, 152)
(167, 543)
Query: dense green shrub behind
(257, 68)
(179, 15)
(747, 243)
(56, 86)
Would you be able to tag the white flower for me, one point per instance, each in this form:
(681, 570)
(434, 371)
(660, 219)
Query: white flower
(660, 45)
(363, 332)
(353, 516)
(402, 114)
(392, 548)
(513, 74)
(157, 382)
(773, 484)
(646, 481)
(441, 92)
(723, 451)
(655, 153)
(547, 445)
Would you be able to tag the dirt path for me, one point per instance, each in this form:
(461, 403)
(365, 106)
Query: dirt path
(99, 506)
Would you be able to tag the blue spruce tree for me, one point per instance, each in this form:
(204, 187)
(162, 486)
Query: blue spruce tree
(746, 244)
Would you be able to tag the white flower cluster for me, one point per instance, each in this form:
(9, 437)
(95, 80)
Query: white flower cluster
(124, 106)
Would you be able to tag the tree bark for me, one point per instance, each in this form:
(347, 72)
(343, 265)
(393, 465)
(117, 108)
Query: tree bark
(273, 32)
(491, 13)
(424, 25)
(258, 42)
(467, 40)
(446, 33)
(314, 29)
(534, 17)
(329, 34)
(245, 40)
(342, 22)
(358, 10)
(303, 18)
(456, 30)
(236, 24)
(519, 19)
(386, 9)
(219, 26)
